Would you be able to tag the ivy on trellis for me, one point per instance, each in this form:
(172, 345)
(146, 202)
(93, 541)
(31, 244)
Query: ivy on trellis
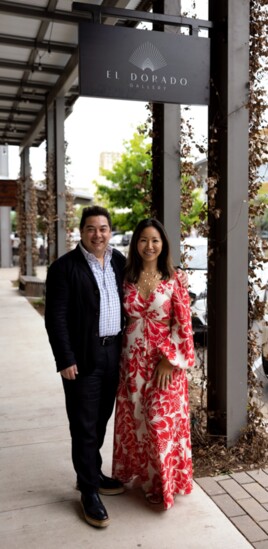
(27, 215)
(253, 444)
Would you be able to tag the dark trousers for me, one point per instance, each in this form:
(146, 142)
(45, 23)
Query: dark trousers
(89, 404)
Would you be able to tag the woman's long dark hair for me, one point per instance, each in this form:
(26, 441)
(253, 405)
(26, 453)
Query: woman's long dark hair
(134, 261)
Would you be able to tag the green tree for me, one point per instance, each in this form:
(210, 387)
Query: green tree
(196, 215)
(14, 221)
(128, 191)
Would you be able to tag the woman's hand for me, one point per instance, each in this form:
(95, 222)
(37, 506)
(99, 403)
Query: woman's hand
(163, 374)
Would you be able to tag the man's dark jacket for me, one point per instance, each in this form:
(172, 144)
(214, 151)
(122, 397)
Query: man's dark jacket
(73, 309)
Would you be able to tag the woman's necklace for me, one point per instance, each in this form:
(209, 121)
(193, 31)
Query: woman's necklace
(148, 281)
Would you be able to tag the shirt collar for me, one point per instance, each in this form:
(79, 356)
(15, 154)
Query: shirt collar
(91, 257)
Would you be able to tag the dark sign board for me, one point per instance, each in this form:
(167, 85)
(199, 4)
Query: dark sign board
(8, 192)
(141, 65)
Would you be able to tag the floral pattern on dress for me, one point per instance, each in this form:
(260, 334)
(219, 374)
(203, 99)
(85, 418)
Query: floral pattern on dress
(152, 428)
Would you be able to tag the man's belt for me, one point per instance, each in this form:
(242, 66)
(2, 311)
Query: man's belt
(108, 340)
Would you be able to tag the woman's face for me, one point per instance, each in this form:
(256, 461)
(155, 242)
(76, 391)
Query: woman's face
(149, 245)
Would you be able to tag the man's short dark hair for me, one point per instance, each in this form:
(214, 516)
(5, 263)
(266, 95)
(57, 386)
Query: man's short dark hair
(90, 211)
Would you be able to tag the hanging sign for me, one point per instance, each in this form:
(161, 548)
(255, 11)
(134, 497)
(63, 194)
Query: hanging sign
(141, 65)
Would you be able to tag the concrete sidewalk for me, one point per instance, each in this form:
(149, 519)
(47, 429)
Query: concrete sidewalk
(39, 507)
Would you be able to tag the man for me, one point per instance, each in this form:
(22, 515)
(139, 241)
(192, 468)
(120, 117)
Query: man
(84, 321)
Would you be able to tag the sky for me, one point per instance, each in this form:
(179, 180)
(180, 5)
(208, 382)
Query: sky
(99, 125)
(95, 125)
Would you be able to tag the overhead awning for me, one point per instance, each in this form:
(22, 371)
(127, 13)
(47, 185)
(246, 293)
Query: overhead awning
(39, 62)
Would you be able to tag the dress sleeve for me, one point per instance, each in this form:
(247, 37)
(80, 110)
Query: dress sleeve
(178, 347)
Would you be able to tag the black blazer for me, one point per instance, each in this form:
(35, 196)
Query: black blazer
(73, 308)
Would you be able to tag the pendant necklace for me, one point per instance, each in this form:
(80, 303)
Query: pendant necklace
(148, 281)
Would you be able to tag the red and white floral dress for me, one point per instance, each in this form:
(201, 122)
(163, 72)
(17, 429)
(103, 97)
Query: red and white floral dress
(152, 429)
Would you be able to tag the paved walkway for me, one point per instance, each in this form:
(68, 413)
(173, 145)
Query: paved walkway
(39, 507)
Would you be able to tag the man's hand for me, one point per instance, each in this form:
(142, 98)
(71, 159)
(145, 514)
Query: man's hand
(70, 373)
(183, 278)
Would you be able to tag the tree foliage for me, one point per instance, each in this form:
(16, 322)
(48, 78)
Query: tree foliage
(127, 193)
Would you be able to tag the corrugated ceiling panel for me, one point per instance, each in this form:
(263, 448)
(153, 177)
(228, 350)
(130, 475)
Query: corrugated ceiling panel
(14, 53)
(58, 32)
(18, 26)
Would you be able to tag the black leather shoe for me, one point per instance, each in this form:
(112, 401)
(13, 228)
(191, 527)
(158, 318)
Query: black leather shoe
(94, 510)
(110, 486)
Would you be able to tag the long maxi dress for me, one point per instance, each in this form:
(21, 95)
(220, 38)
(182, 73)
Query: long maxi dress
(152, 441)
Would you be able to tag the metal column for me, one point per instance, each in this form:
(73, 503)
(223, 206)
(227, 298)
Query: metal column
(59, 116)
(166, 172)
(5, 222)
(228, 266)
(171, 178)
(56, 179)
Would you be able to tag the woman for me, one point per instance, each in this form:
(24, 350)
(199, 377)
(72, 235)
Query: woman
(152, 430)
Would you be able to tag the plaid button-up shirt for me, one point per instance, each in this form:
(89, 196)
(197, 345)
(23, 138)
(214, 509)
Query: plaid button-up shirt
(110, 309)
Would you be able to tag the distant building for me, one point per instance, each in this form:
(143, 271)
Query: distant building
(108, 159)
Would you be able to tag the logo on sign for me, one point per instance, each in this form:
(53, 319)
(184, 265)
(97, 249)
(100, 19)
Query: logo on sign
(147, 56)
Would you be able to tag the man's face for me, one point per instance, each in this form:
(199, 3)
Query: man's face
(96, 234)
